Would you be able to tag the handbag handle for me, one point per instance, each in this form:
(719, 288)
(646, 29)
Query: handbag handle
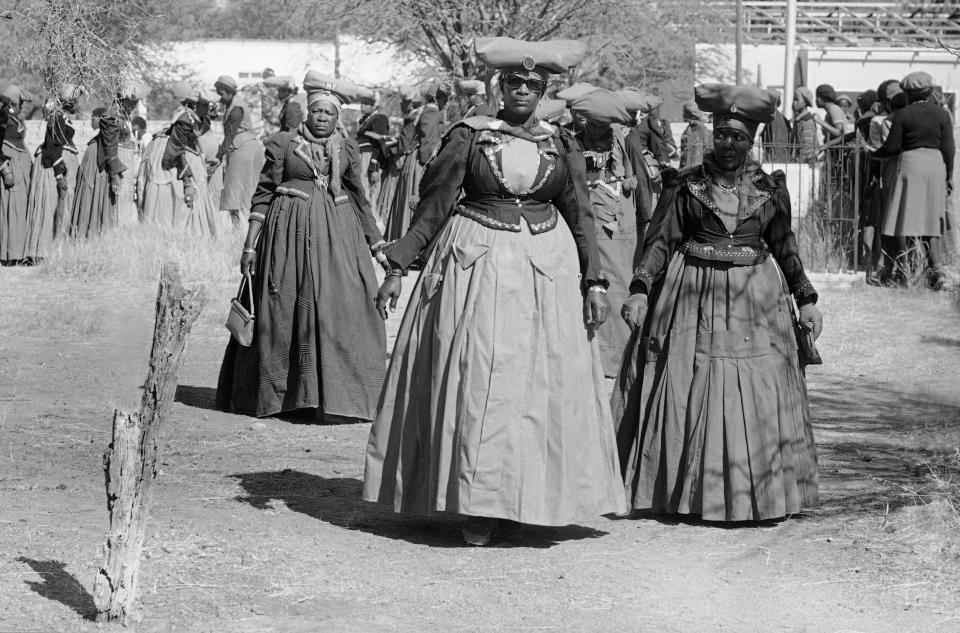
(246, 283)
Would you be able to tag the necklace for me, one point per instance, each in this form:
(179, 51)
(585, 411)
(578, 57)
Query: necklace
(725, 188)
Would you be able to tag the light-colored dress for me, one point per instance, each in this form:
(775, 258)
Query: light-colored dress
(494, 400)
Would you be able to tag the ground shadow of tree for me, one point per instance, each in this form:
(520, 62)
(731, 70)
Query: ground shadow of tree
(336, 500)
(60, 585)
(873, 442)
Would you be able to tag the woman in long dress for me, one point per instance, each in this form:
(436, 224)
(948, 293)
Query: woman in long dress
(99, 178)
(712, 405)
(241, 153)
(921, 141)
(398, 152)
(173, 174)
(53, 177)
(494, 405)
(427, 130)
(14, 194)
(319, 341)
(599, 116)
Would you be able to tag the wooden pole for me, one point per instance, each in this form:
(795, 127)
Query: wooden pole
(790, 60)
(739, 43)
(130, 462)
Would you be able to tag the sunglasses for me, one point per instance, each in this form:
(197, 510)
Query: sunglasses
(513, 82)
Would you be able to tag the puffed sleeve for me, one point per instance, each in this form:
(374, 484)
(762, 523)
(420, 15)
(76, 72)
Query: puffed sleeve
(663, 235)
(109, 141)
(429, 132)
(439, 191)
(947, 145)
(271, 175)
(574, 206)
(782, 241)
(353, 185)
(291, 117)
(230, 127)
(181, 137)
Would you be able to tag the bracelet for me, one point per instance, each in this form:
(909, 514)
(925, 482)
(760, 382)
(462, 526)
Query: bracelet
(250, 250)
(396, 272)
(599, 289)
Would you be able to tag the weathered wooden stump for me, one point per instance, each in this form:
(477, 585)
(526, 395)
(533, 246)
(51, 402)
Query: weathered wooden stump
(130, 462)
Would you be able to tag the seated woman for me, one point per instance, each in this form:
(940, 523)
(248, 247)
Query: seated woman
(712, 408)
(319, 341)
(494, 404)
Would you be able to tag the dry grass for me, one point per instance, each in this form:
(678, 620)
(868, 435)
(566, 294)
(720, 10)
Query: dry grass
(137, 253)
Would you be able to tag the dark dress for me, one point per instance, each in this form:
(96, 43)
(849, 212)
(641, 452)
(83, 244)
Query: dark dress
(319, 340)
(427, 132)
(49, 205)
(372, 133)
(95, 204)
(712, 407)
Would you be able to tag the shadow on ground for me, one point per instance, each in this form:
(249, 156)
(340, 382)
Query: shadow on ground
(60, 586)
(197, 397)
(873, 442)
(337, 501)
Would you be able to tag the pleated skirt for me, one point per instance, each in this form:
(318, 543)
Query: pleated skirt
(494, 401)
(319, 340)
(712, 409)
(127, 214)
(241, 172)
(94, 207)
(616, 229)
(13, 205)
(917, 200)
(405, 199)
(47, 210)
(388, 191)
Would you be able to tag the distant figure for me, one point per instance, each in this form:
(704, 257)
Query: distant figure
(476, 93)
(241, 153)
(16, 179)
(834, 124)
(697, 139)
(775, 137)
(98, 179)
(373, 134)
(803, 134)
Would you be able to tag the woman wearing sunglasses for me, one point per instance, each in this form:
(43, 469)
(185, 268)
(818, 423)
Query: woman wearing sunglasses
(494, 403)
(713, 416)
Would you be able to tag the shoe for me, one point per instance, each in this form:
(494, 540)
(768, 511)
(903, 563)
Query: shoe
(478, 530)
(936, 279)
(874, 279)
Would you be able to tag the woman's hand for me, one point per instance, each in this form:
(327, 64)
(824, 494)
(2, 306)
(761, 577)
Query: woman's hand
(634, 310)
(388, 295)
(248, 261)
(595, 306)
(812, 319)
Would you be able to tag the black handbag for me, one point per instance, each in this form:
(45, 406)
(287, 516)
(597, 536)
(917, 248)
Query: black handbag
(806, 347)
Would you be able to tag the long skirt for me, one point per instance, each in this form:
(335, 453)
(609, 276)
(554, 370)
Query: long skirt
(319, 340)
(159, 191)
(127, 214)
(372, 191)
(47, 208)
(712, 407)
(917, 201)
(494, 402)
(13, 205)
(241, 173)
(94, 206)
(616, 227)
(406, 198)
(389, 178)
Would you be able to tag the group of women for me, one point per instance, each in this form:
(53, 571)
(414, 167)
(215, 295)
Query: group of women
(184, 178)
(494, 405)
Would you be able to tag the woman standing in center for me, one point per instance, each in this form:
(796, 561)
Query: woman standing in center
(494, 404)
(319, 342)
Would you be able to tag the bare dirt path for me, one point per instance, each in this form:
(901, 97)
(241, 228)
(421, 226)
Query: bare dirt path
(257, 525)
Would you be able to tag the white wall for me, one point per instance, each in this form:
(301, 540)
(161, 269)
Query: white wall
(374, 65)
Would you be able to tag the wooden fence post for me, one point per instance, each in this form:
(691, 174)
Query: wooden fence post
(130, 462)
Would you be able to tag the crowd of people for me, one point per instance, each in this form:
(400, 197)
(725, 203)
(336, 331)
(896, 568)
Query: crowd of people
(529, 219)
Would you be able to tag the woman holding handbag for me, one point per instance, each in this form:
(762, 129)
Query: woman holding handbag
(318, 341)
(712, 406)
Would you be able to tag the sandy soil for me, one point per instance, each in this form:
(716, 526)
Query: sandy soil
(257, 525)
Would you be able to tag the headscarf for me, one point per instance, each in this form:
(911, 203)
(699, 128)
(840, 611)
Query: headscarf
(325, 154)
(318, 96)
(808, 98)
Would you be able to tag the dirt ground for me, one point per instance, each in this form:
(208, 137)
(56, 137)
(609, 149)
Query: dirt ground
(257, 525)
